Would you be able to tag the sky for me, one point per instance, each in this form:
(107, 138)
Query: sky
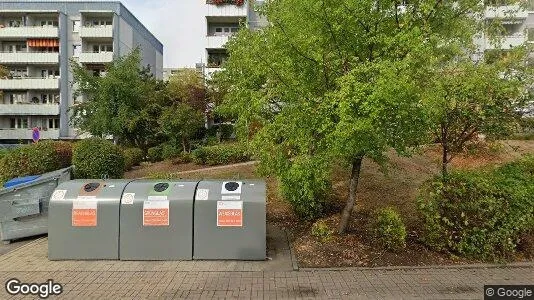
(177, 24)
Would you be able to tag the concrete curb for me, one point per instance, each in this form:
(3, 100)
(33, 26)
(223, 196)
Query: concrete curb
(294, 261)
(394, 268)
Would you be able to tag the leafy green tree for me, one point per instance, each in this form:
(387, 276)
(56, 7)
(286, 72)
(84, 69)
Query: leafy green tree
(180, 123)
(188, 86)
(121, 104)
(469, 98)
(340, 80)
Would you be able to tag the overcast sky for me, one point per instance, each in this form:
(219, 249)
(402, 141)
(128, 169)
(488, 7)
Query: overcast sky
(177, 24)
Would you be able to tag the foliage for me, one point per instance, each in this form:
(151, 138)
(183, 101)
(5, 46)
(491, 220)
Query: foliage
(235, 2)
(155, 154)
(322, 231)
(124, 104)
(169, 151)
(389, 229)
(180, 123)
(226, 131)
(98, 158)
(340, 80)
(183, 158)
(469, 98)
(305, 184)
(188, 87)
(221, 154)
(480, 214)
(34, 159)
(132, 157)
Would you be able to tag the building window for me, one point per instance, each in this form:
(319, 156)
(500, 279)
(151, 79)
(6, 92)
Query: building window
(76, 26)
(102, 48)
(49, 73)
(49, 23)
(15, 23)
(17, 98)
(77, 50)
(19, 123)
(53, 123)
(18, 73)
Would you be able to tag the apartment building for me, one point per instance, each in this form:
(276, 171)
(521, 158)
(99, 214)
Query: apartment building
(224, 18)
(37, 41)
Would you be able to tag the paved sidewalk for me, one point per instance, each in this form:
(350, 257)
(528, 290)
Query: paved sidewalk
(271, 279)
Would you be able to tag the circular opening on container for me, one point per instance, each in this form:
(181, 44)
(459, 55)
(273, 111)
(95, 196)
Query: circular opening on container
(160, 187)
(231, 186)
(90, 187)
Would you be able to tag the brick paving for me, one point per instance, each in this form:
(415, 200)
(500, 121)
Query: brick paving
(272, 279)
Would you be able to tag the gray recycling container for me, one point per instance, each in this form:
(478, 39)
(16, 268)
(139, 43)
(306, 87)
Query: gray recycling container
(229, 220)
(156, 221)
(24, 207)
(84, 220)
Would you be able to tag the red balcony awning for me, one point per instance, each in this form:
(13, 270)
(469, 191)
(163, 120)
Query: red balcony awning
(43, 43)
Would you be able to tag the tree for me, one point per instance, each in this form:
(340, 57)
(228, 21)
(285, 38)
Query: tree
(4, 73)
(123, 104)
(334, 80)
(468, 98)
(188, 86)
(181, 122)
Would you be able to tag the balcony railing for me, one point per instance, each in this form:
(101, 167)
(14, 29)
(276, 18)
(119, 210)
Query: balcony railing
(27, 133)
(29, 32)
(29, 83)
(29, 109)
(507, 42)
(29, 57)
(96, 57)
(96, 31)
(506, 12)
(216, 41)
(226, 10)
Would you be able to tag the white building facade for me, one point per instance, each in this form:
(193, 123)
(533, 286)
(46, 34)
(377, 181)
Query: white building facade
(37, 41)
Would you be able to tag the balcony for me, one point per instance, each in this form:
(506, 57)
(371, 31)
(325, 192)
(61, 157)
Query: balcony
(506, 12)
(216, 41)
(29, 109)
(29, 58)
(508, 42)
(226, 10)
(29, 32)
(97, 32)
(96, 58)
(26, 134)
(29, 84)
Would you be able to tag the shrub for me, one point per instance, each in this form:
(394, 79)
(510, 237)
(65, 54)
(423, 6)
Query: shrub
(96, 158)
(306, 185)
(220, 154)
(322, 231)
(183, 158)
(169, 151)
(480, 214)
(64, 153)
(34, 159)
(155, 154)
(132, 157)
(389, 230)
(226, 131)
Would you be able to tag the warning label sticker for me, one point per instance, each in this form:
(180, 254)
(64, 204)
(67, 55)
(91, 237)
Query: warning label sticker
(84, 213)
(229, 213)
(156, 212)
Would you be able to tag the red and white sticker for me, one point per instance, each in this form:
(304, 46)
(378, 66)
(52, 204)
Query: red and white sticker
(229, 213)
(84, 213)
(156, 211)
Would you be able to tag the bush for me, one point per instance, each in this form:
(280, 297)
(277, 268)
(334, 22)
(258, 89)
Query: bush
(97, 158)
(322, 231)
(480, 214)
(221, 154)
(169, 151)
(306, 185)
(155, 154)
(183, 158)
(132, 157)
(226, 131)
(35, 159)
(389, 230)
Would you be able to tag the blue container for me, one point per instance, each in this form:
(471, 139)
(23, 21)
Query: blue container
(20, 181)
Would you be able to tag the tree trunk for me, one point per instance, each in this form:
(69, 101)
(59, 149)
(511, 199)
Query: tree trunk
(347, 211)
(444, 161)
(184, 145)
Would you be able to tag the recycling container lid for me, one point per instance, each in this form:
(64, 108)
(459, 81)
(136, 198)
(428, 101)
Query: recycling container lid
(20, 181)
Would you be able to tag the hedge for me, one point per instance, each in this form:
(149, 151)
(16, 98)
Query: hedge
(221, 154)
(98, 158)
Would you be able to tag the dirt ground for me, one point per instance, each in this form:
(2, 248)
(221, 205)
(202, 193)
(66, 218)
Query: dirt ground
(397, 187)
